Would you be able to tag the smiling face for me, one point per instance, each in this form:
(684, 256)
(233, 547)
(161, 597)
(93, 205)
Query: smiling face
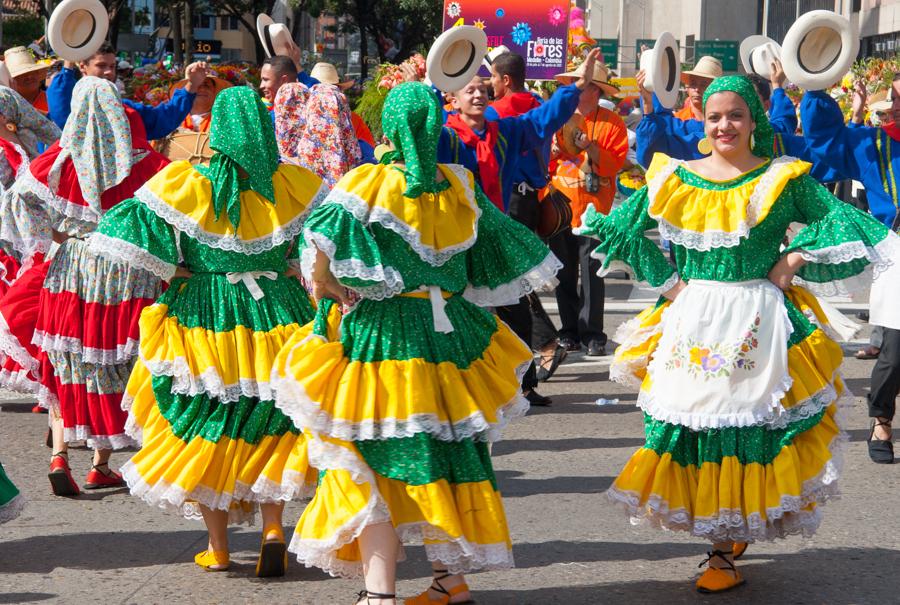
(29, 84)
(101, 65)
(728, 124)
(206, 94)
(471, 100)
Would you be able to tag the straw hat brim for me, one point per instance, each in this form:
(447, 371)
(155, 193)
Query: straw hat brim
(818, 79)
(571, 77)
(57, 24)
(221, 84)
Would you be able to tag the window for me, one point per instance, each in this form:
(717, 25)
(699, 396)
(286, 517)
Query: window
(204, 22)
(228, 23)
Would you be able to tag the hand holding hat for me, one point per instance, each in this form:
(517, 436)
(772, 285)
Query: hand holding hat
(587, 70)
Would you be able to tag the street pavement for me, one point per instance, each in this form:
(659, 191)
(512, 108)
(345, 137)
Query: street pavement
(553, 468)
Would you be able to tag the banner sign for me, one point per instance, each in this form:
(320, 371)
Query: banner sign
(609, 48)
(535, 29)
(725, 51)
(628, 87)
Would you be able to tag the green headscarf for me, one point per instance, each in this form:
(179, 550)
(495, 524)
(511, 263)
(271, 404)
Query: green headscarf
(412, 121)
(741, 85)
(242, 136)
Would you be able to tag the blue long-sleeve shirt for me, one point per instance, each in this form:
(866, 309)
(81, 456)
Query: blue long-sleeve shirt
(661, 131)
(865, 154)
(516, 135)
(159, 121)
(532, 169)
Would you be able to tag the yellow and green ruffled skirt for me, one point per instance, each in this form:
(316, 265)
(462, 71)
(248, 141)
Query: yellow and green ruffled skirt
(398, 419)
(200, 403)
(745, 483)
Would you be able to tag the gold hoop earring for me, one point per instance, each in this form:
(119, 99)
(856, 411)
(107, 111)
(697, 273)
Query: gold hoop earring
(752, 141)
(11, 127)
(704, 146)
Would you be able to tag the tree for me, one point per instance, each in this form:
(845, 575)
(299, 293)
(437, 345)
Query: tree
(240, 10)
(399, 28)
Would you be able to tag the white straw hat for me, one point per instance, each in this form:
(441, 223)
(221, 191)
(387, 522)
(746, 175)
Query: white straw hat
(819, 48)
(275, 37)
(77, 29)
(758, 53)
(455, 57)
(662, 69)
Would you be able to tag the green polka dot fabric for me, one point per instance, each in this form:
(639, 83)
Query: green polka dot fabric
(412, 121)
(242, 135)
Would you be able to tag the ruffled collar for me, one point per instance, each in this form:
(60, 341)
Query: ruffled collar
(437, 226)
(702, 214)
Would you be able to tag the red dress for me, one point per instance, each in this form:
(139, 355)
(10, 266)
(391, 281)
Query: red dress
(80, 327)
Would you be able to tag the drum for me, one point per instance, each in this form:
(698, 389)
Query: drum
(187, 145)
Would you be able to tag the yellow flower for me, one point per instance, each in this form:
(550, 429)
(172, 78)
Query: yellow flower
(697, 355)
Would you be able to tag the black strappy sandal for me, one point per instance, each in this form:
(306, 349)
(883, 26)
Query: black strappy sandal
(880, 451)
(716, 579)
(378, 596)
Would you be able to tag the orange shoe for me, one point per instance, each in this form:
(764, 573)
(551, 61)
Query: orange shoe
(445, 593)
(97, 479)
(716, 580)
(212, 560)
(738, 549)
(272, 562)
(60, 475)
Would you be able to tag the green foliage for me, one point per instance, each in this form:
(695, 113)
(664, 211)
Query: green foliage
(22, 30)
(370, 104)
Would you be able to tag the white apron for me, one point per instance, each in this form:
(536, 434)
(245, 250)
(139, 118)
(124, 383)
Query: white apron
(722, 359)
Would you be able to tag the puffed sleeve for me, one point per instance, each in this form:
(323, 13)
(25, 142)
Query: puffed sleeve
(622, 241)
(838, 242)
(132, 233)
(507, 261)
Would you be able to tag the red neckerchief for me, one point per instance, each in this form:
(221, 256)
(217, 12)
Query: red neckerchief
(488, 168)
(892, 130)
(515, 104)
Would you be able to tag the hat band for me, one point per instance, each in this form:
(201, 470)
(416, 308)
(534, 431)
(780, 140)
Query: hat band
(90, 35)
(467, 65)
(267, 40)
(807, 69)
(670, 55)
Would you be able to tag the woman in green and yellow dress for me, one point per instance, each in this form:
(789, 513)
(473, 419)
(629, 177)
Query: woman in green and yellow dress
(401, 396)
(739, 379)
(11, 501)
(199, 398)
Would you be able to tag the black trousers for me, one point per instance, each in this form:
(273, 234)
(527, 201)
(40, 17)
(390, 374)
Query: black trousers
(885, 382)
(580, 301)
(527, 318)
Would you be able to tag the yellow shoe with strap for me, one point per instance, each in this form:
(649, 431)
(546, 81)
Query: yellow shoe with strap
(716, 580)
(272, 562)
(212, 560)
(445, 594)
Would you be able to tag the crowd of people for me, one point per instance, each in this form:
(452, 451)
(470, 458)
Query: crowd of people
(316, 314)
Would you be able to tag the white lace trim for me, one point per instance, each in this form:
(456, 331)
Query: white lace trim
(541, 276)
(730, 524)
(12, 509)
(82, 432)
(67, 208)
(710, 239)
(618, 265)
(389, 280)
(360, 210)
(458, 554)
(838, 287)
(118, 250)
(10, 345)
(209, 382)
(881, 256)
(186, 224)
(56, 343)
(18, 381)
(292, 399)
(630, 335)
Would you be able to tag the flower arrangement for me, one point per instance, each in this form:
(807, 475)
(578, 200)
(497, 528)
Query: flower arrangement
(151, 83)
(387, 76)
(390, 75)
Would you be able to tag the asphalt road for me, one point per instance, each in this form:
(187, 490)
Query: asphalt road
(553, 467)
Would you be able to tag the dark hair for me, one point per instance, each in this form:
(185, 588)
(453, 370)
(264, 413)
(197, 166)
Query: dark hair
(762, 86)
(282, 65)
(105, 49)
(511, 65)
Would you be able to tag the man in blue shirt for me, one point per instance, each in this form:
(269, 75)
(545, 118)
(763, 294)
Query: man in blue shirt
(871, 156)
(159, 121)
